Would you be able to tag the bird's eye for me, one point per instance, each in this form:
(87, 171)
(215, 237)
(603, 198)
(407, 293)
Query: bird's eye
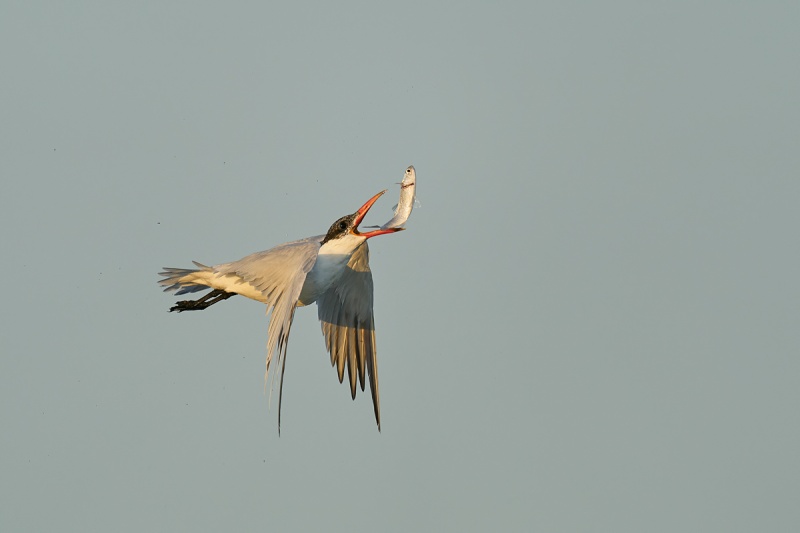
(342, 225)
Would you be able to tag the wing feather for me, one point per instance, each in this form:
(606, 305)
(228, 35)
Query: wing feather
(345, 314)
(279, 274)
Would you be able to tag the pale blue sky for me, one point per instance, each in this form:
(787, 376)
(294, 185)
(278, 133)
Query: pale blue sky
(590, 325)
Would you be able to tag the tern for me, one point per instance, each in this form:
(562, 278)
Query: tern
(331, 270)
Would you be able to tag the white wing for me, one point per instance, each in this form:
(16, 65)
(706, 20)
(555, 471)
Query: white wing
(279, 274)
(345, 311)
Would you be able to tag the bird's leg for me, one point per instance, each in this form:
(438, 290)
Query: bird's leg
(209, 299)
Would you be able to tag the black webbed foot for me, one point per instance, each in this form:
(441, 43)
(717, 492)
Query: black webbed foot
(209, 299)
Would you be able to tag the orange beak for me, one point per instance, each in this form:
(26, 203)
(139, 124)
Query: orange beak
(362, 212)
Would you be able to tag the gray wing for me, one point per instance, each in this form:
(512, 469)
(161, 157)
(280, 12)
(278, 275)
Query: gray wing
(345, 313)
(279, 273)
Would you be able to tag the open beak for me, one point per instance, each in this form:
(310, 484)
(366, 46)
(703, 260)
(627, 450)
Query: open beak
(362, 212)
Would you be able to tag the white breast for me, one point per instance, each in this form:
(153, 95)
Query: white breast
(329, 266)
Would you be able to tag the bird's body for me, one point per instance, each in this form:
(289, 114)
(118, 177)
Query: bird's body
(331, 270)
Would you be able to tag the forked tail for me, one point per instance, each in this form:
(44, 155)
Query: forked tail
(186, 280)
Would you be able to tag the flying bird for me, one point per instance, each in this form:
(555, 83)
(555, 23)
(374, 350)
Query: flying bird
(331, 270)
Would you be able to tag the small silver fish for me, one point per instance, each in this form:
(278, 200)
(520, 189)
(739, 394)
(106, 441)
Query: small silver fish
(408, 195)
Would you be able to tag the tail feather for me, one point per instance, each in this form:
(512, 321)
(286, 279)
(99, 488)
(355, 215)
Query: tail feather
(185, 280)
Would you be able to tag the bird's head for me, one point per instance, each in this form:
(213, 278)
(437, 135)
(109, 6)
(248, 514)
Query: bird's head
(346, 228)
